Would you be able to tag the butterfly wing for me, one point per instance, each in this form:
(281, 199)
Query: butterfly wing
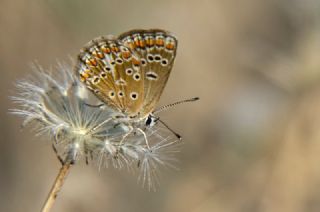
(157, 50)
(113, 73)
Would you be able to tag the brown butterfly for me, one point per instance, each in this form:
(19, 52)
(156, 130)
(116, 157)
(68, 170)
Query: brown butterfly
(129, 73)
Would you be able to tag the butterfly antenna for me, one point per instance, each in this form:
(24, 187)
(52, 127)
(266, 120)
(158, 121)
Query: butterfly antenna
(164, 124)
(165, 107)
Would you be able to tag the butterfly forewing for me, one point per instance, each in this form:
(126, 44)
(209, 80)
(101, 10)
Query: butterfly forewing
(157, 51)
(113, 73)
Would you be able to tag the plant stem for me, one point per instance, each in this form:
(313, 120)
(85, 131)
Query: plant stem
(57, 185)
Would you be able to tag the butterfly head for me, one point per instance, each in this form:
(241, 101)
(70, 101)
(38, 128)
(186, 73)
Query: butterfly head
(151, 120)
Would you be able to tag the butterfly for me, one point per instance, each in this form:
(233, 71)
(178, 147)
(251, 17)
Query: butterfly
(129, 72)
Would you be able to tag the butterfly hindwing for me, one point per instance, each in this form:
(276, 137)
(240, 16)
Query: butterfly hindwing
(113, 73)
(157, 51)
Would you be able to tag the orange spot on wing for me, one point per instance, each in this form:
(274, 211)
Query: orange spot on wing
(126, 55)
(170, 46)
(150, 42)
(136, 42)
(87, 72)
(84, 76)
(92, 62)
(117, 49)
(106, 50)
(98, 54)
(159, 42)
(82, 79)
(131, 45)
(135, 62)
(142, 43)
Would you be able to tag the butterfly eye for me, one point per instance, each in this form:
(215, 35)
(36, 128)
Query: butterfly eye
(148, 121)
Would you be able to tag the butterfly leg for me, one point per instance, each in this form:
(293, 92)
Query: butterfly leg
(126, 135)
(122, 140)
(130, 131)
(145, 136)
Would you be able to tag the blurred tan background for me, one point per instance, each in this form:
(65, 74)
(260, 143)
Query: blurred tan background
(252, 143)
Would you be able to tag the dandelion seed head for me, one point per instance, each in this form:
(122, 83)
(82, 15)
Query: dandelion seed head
(58, 105)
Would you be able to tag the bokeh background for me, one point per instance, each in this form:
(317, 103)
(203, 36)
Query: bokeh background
(251, 144)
